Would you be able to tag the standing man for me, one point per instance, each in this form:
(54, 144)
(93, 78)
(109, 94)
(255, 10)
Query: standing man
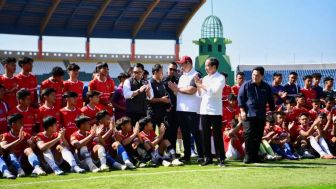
(292, 88)
(210, 89)
(187, 107)
(252, 100)
(136, 92)
(240, 78)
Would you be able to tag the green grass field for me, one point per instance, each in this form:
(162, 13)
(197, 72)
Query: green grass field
(283, 174)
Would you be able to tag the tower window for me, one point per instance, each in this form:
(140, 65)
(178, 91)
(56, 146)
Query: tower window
(209, 48)
(201, 48)
(219, 48)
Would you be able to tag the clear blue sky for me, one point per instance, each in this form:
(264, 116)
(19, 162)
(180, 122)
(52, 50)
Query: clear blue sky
(262, 31)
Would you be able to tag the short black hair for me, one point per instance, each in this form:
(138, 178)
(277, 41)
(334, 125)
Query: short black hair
(277, 74)
(143, 122)
(93, 93)
(101, 114)
(214, 62)
(279, 113)
(293, 73)
(122, 121)
(290, 100)
(139, 65)
(270, 119)
(57, 71)
(101, 65)
(14, 118)
(48, 122)
(70, 94)
(22, 94)
(156, 68)
(47, 92)
(81, 119)
(8, 60)
(146, 72)
(122, 75)
(328, 78)
(259, 69)
(317, 75)
(300, 95)
(316, 100)
(25, 60)
(241, 74)
(329, 99)
(304, 114)
(73, 67)
(307, 77)
(174, 63)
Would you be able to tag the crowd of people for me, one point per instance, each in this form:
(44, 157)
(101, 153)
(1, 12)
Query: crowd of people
(144, 122)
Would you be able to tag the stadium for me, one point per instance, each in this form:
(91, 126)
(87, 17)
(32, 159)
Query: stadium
(60, 141)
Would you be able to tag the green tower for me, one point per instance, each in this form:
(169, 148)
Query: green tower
(213, 44)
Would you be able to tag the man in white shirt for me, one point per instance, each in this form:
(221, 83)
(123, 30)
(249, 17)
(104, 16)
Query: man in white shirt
(210, 89)
(187, 108)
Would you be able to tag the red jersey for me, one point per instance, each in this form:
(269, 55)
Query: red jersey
(20, 147)
(151, 136)
(89, 112)
(235, 89)
(42, 137)
(68, 121)
(79, 136)
(295, 131)
(44, 111)
(120, 136)
(108, 141)
(10, 83)
(313, 114)
(106, 88)
(3, 117)
(225, 94)
(29, 118)
(28, 82)
(309, 95)
(292, 116)
(227, 116)
(58, 86)
(76, 87)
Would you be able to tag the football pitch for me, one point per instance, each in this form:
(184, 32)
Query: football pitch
(315, 173)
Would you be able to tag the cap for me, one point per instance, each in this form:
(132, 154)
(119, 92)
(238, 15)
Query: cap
(184, 60)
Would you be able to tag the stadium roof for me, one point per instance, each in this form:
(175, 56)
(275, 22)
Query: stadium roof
(138, 19)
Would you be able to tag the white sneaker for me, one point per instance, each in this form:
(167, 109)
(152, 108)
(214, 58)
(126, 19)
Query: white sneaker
(166, 163)
(176, 162)
(77, 169)
(95, 170)
(104, 167)
(119, 166)
(38, 171)
(58, 171)
(20, 173)
(8, 175)
(130, 165)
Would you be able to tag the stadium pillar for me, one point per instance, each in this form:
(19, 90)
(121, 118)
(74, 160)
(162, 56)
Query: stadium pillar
(133, 50)
(177, 50)
(39, 47)
(87, 49)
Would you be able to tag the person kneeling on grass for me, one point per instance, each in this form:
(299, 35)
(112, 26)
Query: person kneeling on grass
(17, 145)
(54, 147)
(233, 140)
(149, 140)
(111, 145)
(82, 142)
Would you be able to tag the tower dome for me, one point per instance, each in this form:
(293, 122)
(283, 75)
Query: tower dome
(212, 27)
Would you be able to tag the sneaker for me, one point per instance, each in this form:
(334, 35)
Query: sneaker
(142, 165)
(20, 173)
(95, 169)
(58, 171)
(38, 171)
(177, 162)
(221, 163)
(207, 162)
(150, 163)
(77, 169)
(130, 165)
(166, 163)
(119, 166)
(277, 157)
(269, 157)
(193, 154)
(307, 155)
(104, 168)
(8, 175)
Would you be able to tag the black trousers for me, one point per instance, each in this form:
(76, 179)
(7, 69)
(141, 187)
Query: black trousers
(135, 117)
(253, 132)
(173, 128)
(189, 124)
(214, 121)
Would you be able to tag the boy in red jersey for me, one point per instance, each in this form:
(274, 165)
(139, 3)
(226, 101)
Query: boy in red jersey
(30, 122)
(54, 147)
(48, 108)
(73, 84)
(103, 84)
(18, 145)
(9, 81)
(91, 109)
(316, 104)
(3, 111)
(240, 78)
(55, 82)
(27, 80)
(69, 113)
(308, 91)
(82, 142)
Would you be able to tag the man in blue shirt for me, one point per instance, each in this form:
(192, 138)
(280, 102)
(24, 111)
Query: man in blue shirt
(253, 97)
(291, 88)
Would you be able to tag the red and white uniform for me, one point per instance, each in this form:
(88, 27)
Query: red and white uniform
(119, 136)
(18, 148)
(225, 94)
(309, 94)
(235, 89)
(44, 111)
(106, 88)
(58, 86)
(28, 82)
(90, 112)
(29, 118)
(76, 87)
(42, 137)
(68, 121)
(9, 83)
(148, 137)
(3, 117)
(80, 136)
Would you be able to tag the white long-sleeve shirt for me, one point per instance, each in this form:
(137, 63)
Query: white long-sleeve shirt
(211, 103)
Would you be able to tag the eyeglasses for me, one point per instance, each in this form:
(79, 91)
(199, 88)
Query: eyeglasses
(172, 69)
